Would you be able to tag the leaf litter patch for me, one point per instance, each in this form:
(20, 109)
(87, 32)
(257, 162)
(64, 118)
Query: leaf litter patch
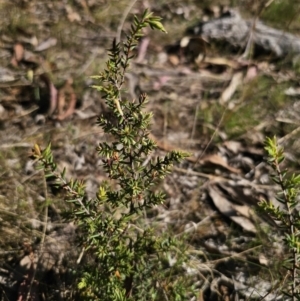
(201, 105)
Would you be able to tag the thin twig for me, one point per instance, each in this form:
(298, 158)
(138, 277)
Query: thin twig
(43, 235)
(212, 137)
(124, 16)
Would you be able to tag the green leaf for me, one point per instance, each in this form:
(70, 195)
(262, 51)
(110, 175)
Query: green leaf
(154, 24)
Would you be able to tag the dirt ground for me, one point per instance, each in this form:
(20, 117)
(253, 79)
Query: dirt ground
(207, 99)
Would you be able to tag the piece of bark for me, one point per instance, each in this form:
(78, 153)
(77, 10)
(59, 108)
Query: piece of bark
(232, 28)
(66, 101)
(52, 92)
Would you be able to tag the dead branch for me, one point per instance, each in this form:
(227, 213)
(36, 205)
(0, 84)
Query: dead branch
(232, 28)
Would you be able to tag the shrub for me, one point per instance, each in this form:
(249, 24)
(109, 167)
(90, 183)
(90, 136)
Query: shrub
(287, 214)
(125, 258)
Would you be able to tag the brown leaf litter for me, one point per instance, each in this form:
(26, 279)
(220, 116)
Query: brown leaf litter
(212, 196)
